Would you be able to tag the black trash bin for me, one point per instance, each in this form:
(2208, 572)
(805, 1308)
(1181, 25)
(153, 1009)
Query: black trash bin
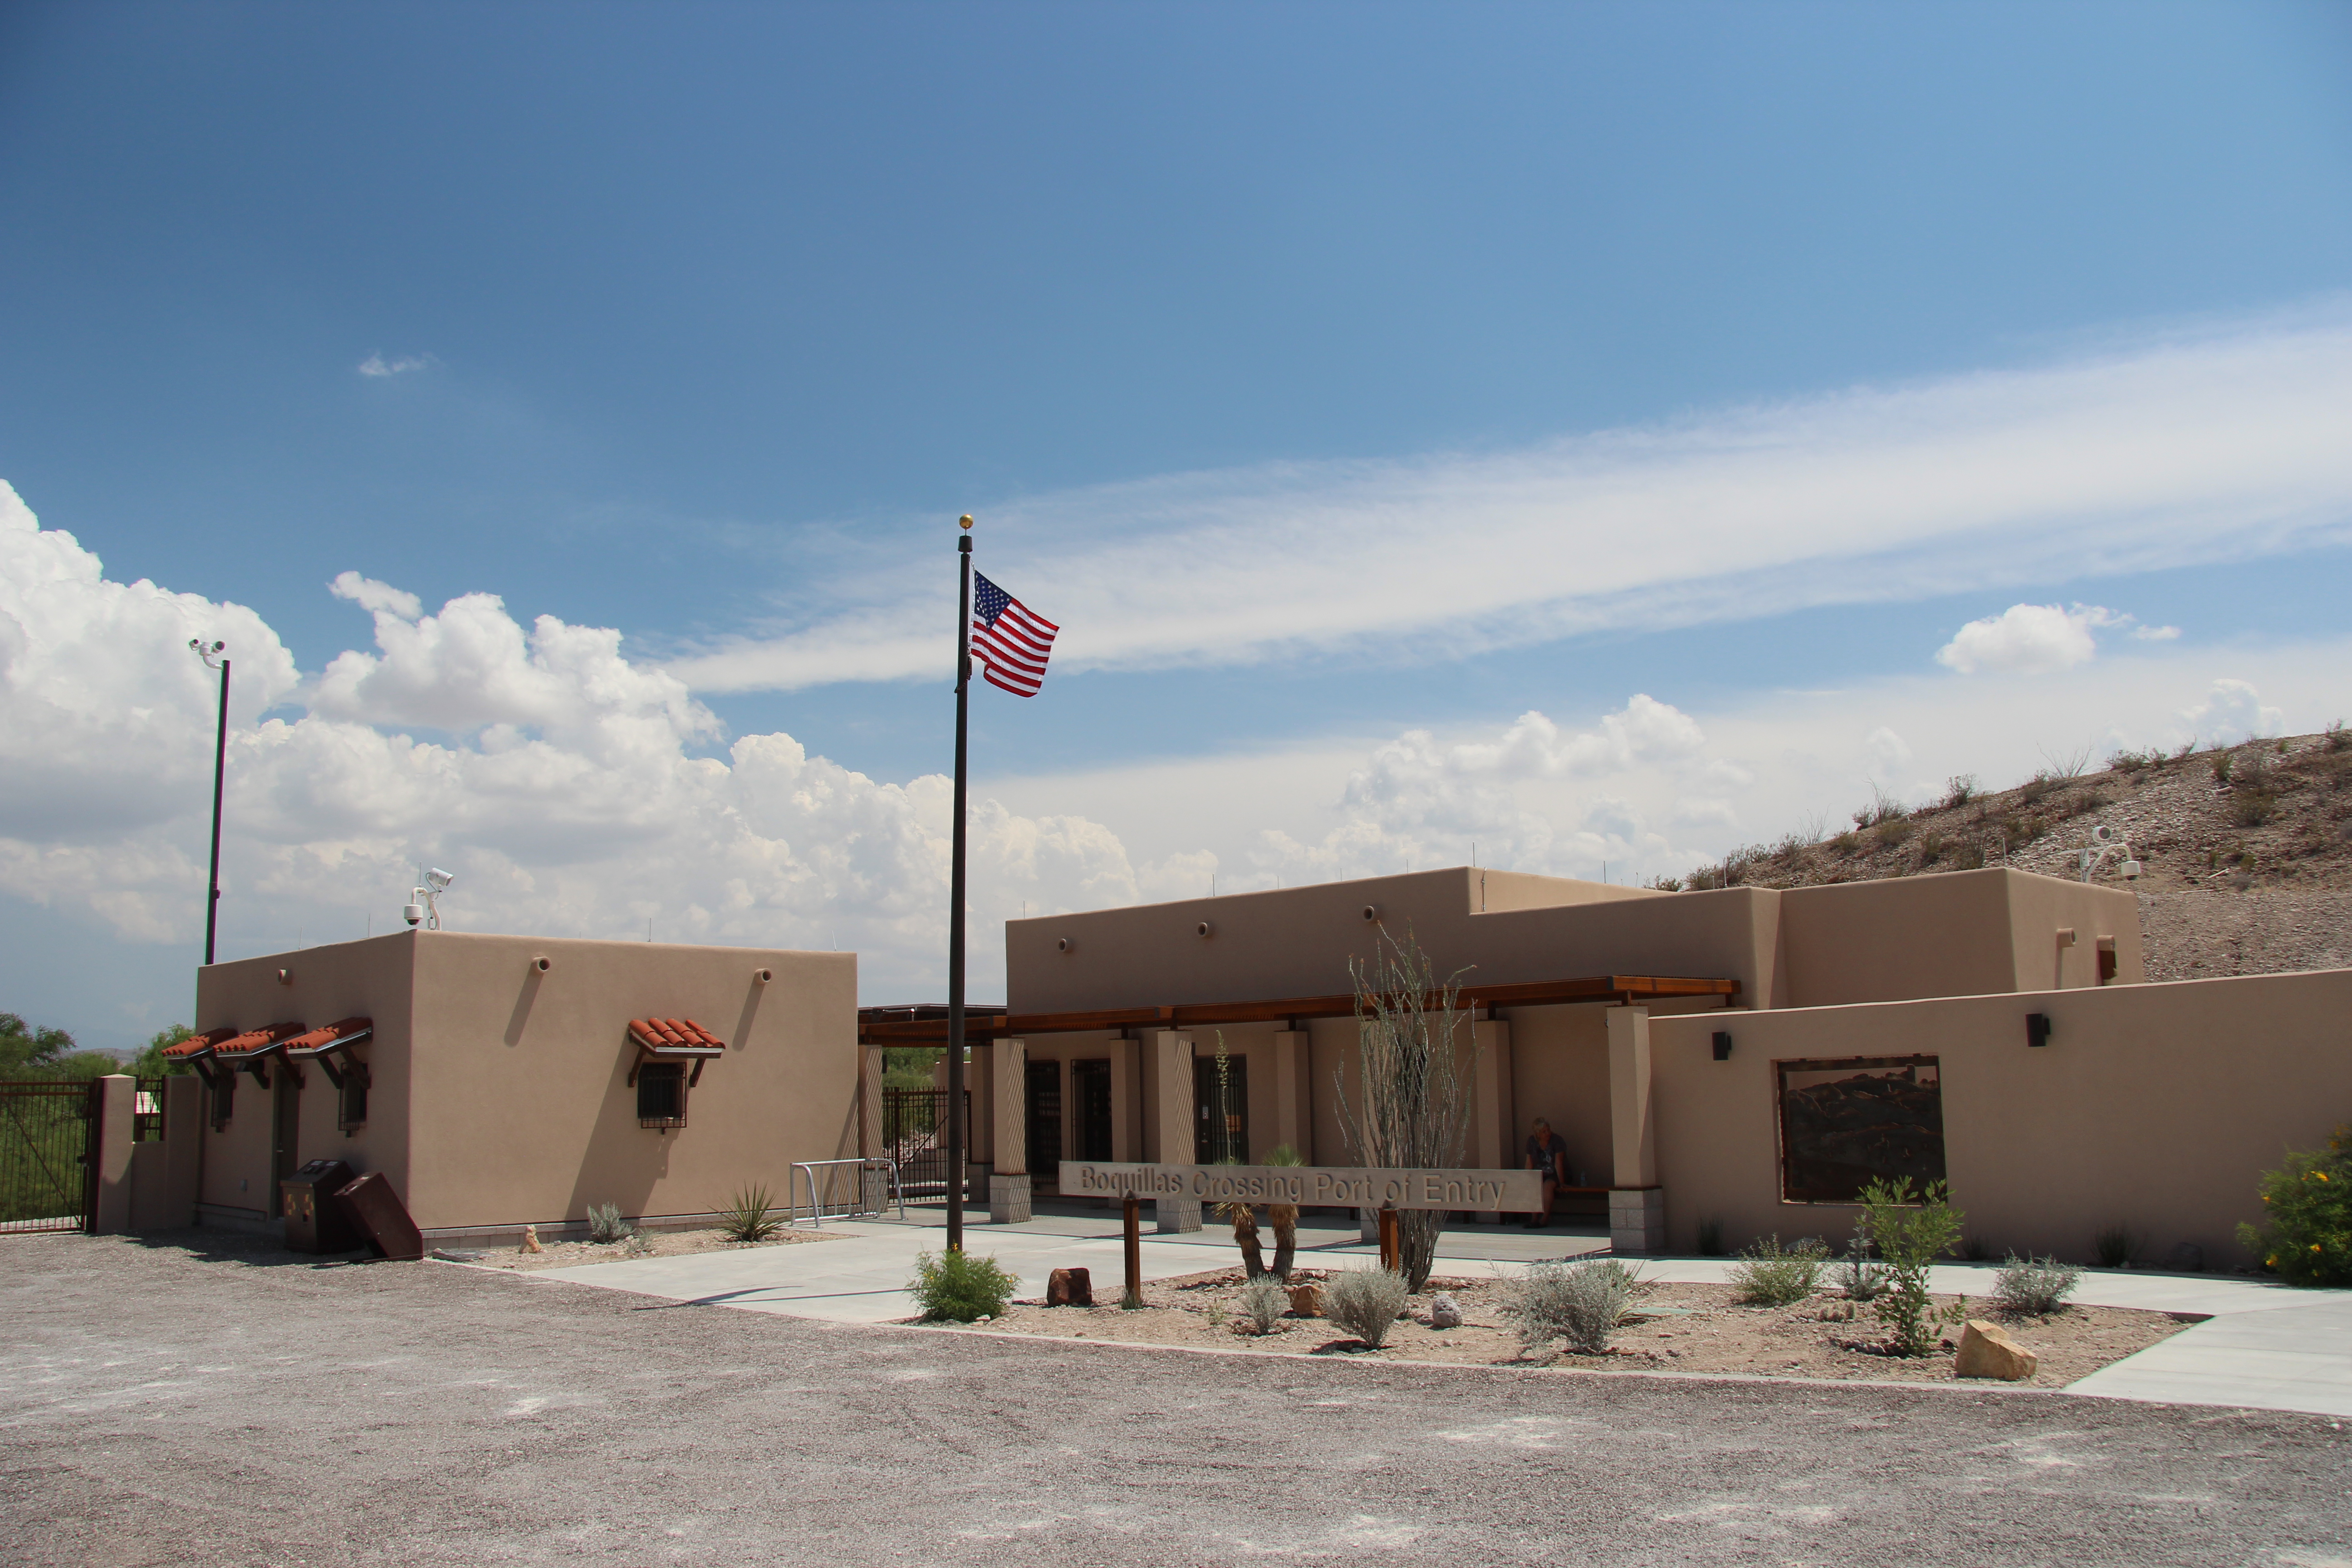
(314, 1221)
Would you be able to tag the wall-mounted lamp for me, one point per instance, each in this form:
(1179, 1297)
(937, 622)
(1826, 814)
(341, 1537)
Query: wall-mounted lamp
(2037, 1028)
(285, 977)
(1204, 929)
(1064, 945)
(542, 964)
(1723, 1045)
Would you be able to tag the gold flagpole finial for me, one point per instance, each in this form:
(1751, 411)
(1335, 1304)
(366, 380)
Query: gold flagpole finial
(966, 520)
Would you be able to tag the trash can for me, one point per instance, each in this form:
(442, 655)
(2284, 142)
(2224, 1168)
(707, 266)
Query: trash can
(378, 1212)
(314, 1221)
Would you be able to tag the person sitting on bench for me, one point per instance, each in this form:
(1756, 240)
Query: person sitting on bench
(1548, 1152)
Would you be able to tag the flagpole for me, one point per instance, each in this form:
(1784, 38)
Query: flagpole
(957, 1174)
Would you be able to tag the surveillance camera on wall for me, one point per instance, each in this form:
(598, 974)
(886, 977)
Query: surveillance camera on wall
(2103, 835)
(413, 913)
(439, 879)
(2131, 869)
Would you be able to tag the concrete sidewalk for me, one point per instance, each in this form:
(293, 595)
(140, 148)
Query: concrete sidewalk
(2264, 1346)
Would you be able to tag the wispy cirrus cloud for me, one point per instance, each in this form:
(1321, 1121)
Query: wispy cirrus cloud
(2226, 443)
(376, 365)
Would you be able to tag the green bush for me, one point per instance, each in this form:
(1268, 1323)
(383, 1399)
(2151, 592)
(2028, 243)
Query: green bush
(2306, 1236)
(956, 1287)
(1771, 1275)
(1910, 1230)
(750, 1215)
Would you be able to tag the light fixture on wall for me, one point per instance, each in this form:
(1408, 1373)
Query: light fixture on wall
(1723, 1045)
(285, 977)
(2037, 1028)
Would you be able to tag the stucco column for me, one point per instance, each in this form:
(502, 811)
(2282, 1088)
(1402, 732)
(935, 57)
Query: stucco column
(1172, 1113)
(1294, 1093)
(1637, 1208)
(1126, 1102)
(980, 1083)
(115, 1103)
(1494, 1114)
(1008, 1178)
(870, 1135)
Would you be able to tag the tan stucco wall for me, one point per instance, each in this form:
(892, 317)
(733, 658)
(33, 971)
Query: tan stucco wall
(1958, 933)
(2153, 1106)
(366, 979)
(522, 1107)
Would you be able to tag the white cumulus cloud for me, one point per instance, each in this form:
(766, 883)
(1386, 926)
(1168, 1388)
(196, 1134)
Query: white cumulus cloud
(376, 366)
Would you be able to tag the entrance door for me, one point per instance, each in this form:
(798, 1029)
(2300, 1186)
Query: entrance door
(1045, 1120)
(1220, 1110)
(285, 1119)
(1091, 1087)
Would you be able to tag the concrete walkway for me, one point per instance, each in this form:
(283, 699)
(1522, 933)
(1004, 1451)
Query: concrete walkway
(2264, 1346)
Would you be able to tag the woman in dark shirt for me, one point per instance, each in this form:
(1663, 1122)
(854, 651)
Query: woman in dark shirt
(1548, 1152)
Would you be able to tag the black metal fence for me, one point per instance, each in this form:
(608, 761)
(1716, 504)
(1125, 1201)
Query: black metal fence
(914, 1133)
(48, 1159)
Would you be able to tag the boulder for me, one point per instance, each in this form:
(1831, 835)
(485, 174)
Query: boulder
(1445, 1312)
(1987, 1351)
(1070, 1287)
(1307, 1300)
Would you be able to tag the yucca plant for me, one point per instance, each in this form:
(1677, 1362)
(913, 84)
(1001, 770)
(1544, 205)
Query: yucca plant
(605, 1224)
(749, 1215)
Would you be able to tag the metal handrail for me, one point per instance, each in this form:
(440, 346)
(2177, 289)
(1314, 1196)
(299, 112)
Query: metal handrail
(816, 1208)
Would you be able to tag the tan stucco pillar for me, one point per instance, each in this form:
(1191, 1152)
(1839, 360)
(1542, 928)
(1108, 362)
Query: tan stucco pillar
(1008, 1178)
(183, 1154)
(1294, 1093)
(869, 1103)
(980, 1082)
(116, 1103)
(1637, 1208)
(1171, 1056)
(1494, 1114)
(1125, 1101)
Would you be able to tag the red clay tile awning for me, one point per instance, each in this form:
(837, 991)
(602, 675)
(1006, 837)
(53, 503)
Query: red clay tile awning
(675, 1039)
(196, 1047)
(335, 1037)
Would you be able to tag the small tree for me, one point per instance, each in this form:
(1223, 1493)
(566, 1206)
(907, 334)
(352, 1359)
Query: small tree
(2306, 1236)
(1413, 1113)
(1911, 1230)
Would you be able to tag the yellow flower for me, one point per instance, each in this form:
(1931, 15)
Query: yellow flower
(2269, 1263)
(2315, 1246)
(2320, 1174)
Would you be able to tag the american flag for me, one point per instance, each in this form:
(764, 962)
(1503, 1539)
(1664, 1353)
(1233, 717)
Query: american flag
(1011, 640)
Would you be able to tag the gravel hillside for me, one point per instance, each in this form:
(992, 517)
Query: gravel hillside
(2246, 851)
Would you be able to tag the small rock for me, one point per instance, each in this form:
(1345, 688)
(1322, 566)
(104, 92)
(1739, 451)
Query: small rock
(1070, 1287)
(1307, 1300)
(1445, 1312)
(456, 1254)
(983, 1318)
(1987, 1351)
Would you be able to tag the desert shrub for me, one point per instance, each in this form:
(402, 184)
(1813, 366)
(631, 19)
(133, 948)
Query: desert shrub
(1667, 884)
(2133, 762)
(1710, 1238)
(1856, 1274)
(750, 1215)
(2335, 738)
(1974, 1249)
(605, 1224)
(2115, 1247)
(956, 1287)
(1365, 1301)
(2222, 761)
(2034, 1286)
(1770, 1274)
(1581, 1303)
(2306, 1236)
(1892, 832)
(1958, 790)
(1910, 1230)
(1264, 1300)
(2252, 807)
(1931, 848)
(2034, 788)
(1846, 843)
(1968, 856)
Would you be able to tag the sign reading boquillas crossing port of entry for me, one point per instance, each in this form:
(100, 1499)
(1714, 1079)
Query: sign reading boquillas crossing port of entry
(1503, 1192)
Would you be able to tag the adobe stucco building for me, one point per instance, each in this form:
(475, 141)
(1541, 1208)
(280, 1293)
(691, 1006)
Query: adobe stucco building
(499, 1081)
(1745, 1056)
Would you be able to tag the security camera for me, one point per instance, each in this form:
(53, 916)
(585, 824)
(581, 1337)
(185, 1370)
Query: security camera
(440, 879)
(2103, 835)
(413, 913)
(2131, 871)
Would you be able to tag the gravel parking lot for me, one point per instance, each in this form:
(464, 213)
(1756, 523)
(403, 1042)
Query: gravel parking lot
(166, 1404)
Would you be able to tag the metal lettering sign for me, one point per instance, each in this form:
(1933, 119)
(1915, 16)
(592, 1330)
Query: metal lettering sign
(1498, 1192)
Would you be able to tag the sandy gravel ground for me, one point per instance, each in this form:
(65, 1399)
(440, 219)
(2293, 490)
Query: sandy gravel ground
(648, 1244)
(1686, 1328)
(166, 1405)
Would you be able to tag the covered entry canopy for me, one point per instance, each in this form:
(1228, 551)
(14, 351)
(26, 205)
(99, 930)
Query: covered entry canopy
(926, 1023)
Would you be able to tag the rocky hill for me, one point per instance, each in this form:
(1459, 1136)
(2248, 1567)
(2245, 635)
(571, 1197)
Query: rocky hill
(2245, 851)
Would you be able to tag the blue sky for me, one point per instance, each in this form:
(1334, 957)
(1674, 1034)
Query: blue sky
(702, 322)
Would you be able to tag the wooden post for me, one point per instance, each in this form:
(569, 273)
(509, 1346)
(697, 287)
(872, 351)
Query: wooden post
(1134, 1214)
(1390, 1248)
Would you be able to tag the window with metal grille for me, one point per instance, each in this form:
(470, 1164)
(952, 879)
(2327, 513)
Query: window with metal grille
(661, 1095)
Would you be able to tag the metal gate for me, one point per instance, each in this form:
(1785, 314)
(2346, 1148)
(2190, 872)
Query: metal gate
(49, 1154)
(914, 1134)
